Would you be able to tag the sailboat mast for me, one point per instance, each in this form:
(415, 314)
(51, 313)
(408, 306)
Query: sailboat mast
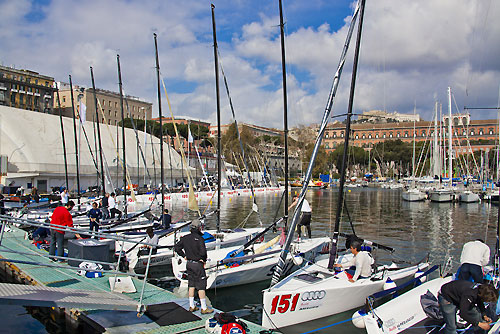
(285, 110)
(76, 142)
(162, 176)
(340, 203)
(450, 153)
(414, 138)
(123, 136)
(324, 122)
(63, 139)
(103, 177)
(219, 162)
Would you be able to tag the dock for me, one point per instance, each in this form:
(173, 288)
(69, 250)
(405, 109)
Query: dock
(50, 278)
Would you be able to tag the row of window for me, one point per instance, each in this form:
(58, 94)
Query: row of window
(24, 79)
(406, 134)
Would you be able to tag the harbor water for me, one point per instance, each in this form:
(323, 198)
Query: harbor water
(413, 229)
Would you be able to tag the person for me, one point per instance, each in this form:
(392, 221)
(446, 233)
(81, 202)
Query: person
(62, 217)
(468, 298)
(95, 215)
(104, 204)
(192, 248)
(112, 206)
(34, 194)
(2, 206)
(362, 260)
(165, 219)
(64, 197)
(305, 218)
(475, 255)
(152, 238)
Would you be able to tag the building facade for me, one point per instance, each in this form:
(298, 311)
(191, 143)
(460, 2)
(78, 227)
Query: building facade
(481, 134)
(255, 130)
(108, 102)
(25, 89)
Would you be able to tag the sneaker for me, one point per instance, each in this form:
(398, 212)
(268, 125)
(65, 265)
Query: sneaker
(194, 309)
(207, 311)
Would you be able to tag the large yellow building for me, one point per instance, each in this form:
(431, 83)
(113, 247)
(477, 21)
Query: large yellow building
(25, 89)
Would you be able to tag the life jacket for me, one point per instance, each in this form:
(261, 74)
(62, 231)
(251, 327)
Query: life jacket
(233, 328)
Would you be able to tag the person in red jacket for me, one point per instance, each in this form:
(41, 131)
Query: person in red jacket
(62, 217)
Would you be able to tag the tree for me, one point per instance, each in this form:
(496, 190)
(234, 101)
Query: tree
(321, 164)
(230, 143)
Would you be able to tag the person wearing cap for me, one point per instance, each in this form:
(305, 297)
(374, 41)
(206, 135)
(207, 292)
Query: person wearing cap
(475, 255)
(165, 219)
(192, 248)
(305, 215)
(469, 299)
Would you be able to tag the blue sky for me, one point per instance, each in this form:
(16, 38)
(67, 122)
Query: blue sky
(411, 52)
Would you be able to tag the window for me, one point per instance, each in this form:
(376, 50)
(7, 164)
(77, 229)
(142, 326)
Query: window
(335, 135)
(326, 145)
(370, 136)
(490, 131)
(357, 137)
(398, 134)
(342, 134)
(116, 104)
(390, 134)
(363, 136)
(376, 136)
(36, 81)
(406, 134)
(472, 132)
(481, 131)
(423, 133)
(326, 135)
(64, 99)
(383, 136)
(21, 98)
(12, 98)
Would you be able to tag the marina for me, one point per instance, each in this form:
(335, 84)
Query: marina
(119, 215)
(414, 229)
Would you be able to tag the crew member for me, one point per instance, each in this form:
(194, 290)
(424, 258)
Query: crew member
(95, 215)
(62, 217)
(104, 206)
(305, 215)
(469, 299)
(192, 248)
(151, 239)
(475, 255)
(165, 219)
(362, 260)
(64, 197)
(112, 206)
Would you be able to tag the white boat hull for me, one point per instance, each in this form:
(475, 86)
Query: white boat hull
(441, 196)
(468, 197)
(413, 195)
(302, 298)
(256, 270)
(403, 311)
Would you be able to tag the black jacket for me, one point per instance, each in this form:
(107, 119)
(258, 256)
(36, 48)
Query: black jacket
(192, 246)
(166, 220)
(463, 294)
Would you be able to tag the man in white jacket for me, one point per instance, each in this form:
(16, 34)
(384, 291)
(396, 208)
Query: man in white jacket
(475, 255)
(362, 260)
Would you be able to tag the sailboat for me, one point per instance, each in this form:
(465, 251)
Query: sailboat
(218, 238)
(315, 291)
(254, 262)
(413, 194)
(445, 194)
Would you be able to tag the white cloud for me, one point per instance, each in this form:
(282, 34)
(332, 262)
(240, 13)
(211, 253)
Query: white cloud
(411, 50)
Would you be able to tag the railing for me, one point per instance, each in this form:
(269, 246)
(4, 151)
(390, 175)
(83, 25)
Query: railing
(8, 220)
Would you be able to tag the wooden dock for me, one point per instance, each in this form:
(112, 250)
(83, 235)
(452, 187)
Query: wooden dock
(110, 321)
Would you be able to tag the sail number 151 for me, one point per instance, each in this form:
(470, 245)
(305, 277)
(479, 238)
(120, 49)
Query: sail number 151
(283, 302)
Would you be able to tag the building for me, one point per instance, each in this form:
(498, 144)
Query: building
(255, 130)
(380, 116)
(25, 89)
(464, 129)
(108, 101)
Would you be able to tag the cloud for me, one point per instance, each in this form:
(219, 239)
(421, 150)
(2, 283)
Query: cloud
(411, 51)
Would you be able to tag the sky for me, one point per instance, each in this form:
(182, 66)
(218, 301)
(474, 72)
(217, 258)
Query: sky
(411, 51)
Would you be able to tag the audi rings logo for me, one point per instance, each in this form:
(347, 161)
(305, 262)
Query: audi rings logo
(313, 295)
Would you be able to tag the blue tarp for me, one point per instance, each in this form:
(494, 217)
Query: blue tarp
(325, 178)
